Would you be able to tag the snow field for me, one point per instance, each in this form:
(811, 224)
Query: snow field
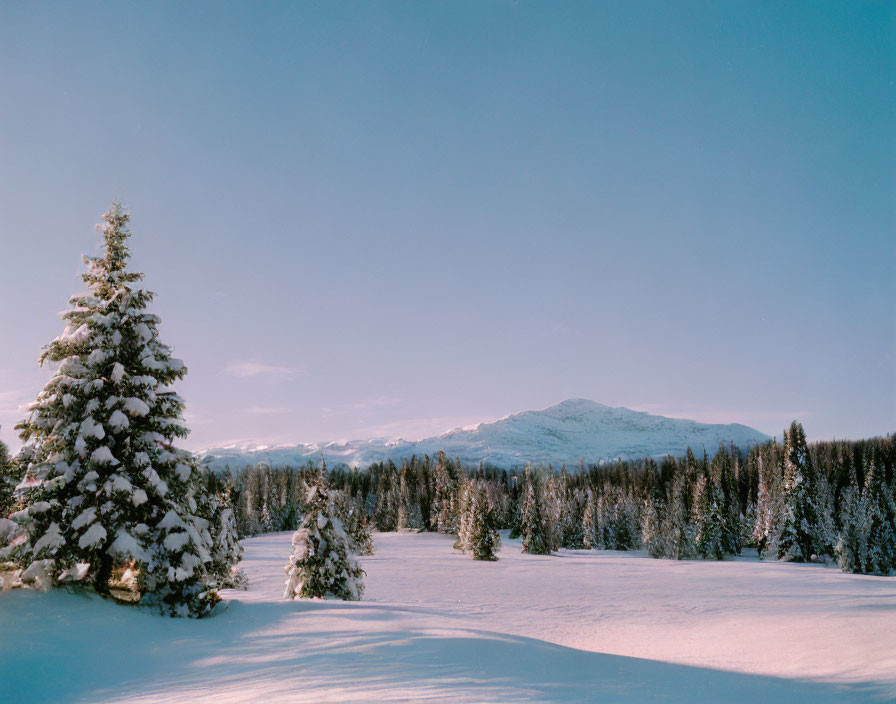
(436, 626)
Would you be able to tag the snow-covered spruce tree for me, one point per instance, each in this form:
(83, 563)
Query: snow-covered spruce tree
(10, 532)
(572, 531)
(770, 500)
(515, 511)
(109, 501)
(501, 501)
(464, 514)
(653, 538)
(606, 540)
(226, 548)
(350, 510)
(361, 534)
(360, 530)
(534, 530)
(387, 500)
(322, 564)
(444, 500)
(881, 504)
(853, 547)
(410, 517)
(265, 521)
(8, 480)
(824, 532)
(245, 509)
(550, 510)
(572, 507)
(620, 521)
(590, 528)
(676, 527)
(800, 519)
(708, 520)
(723, 475)
(401, 521)
(483, 540)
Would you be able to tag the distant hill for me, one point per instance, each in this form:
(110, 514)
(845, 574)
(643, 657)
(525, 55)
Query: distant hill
(571, 431)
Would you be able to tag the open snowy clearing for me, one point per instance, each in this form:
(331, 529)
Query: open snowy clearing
(436, 626)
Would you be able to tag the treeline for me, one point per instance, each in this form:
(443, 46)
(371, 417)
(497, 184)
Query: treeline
(825, 501)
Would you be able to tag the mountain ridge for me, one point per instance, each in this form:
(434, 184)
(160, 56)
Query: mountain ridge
(572, 431)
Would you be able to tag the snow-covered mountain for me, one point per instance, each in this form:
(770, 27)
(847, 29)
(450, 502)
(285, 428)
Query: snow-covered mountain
(569, 432)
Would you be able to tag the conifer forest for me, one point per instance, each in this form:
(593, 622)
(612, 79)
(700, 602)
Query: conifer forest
(828, 501)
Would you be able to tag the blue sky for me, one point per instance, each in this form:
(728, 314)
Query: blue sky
(394, 218)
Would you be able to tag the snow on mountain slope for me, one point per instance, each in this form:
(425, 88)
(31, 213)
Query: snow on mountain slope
(570, 432)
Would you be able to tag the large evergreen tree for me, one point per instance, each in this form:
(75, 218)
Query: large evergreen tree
(109, 500)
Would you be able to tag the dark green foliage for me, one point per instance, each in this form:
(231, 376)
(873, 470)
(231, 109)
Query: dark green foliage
(516, 513)
(677, 529)
(866, 543)
(572, 511)
(8, 480)
(800, 518)
(534, 528)
(478, 532)
(409, 515)
(445, 497)
(853, 547)
(708, 520)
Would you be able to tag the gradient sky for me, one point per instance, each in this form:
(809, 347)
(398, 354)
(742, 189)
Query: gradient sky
(384, 218)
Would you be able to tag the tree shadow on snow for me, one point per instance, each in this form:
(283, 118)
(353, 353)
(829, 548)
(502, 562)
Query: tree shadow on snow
(78, 648)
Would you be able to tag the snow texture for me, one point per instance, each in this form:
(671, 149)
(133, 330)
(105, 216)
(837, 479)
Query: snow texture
(136, 407)
(92, 536)
(569, 432)
(118, 420)
(49, 541)
(126, 545)
(103, 455)
(435, 626)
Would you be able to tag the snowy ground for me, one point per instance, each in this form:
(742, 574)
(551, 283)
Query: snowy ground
(437, 627)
